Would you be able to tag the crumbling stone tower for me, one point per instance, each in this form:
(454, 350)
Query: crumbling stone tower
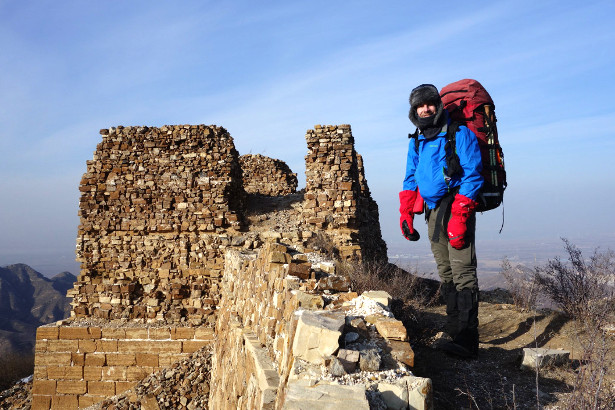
(154, 203)
(337, 198)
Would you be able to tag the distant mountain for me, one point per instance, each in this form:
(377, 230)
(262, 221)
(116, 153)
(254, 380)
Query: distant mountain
(27, 300)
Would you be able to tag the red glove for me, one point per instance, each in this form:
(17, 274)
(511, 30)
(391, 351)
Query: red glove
(406, 205)
(461, 210)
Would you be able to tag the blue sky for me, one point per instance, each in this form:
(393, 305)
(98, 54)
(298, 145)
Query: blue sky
(268, 71)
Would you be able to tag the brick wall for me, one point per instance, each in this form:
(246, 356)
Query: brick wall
(77, 366)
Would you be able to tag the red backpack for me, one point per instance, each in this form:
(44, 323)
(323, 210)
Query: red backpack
(469, 104)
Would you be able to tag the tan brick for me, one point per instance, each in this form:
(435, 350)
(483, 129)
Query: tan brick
(121, 387)
(101, 388)
(191, 346)
(88, 400)
(137, 333)
(45, 387)
(41, 346)
(52, 359)
(41, 402)
(147, 359)
(121, 359)
(93, 373)
(160, 333)
(95, 359)
(64, 402)
(135, 373)
(167, 359)
(113, 333)
(95, 332)
(182, 333)
(106, 345)
(87, 346)
(204, 333)
(71, 387)
(62, 345)
(65, 372)
(150, 346)
(78, 359)
(40, 372)
(114, 373)
(67, 332)
(47, 332)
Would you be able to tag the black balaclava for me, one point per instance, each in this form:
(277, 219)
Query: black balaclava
(430, 126)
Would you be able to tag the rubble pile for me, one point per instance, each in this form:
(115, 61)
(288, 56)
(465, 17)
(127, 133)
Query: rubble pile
(155, 206)
(17, 397)
(337, 198)
(267, 176)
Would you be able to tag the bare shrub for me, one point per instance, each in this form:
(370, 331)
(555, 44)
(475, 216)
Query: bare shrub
(584, 290)
(322, 243)
(521, 285)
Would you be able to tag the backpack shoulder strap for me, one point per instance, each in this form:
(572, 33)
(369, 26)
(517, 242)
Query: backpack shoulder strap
(452, 159)
(415, 135)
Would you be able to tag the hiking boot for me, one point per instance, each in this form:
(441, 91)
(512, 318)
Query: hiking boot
(465, 343)
(449, 294)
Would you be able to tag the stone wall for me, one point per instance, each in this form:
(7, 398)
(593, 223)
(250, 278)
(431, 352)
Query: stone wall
(337, 198)
(156, 206)
(297, 337)
(77, 366)
(267, 176)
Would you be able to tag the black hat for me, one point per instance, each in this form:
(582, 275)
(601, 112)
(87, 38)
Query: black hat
(425, 93)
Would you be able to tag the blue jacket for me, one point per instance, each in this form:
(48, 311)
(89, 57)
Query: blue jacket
(427, 169)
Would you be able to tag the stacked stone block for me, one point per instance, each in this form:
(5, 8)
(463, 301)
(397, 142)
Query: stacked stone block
(157, 206)
(273, 333)
(337, 198)
(267, 176)
(76, 367)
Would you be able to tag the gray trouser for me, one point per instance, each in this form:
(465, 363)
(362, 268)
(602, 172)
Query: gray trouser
(454, 265)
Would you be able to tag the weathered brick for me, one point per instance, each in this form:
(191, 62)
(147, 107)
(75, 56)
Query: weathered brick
(147, 359)
(137, 333)
(114, 373)
(191, 346)
(40, 346)
(45, 387)
(64, 402)
(101, 388)
(78, 359)
(106, 345)
(182, 333)
(160, 333)
(93, 373)
(95, 332)
(47, 332)
(87, 400)
(87, 346)
(121, 359)
(65, 372)
(113, 333)
(41, 402)
(150, 346)
(95, 359)
(62, 345)
(55, 359)
(71, 387)
(67, 332)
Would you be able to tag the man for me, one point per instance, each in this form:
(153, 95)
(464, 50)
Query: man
(450, 199)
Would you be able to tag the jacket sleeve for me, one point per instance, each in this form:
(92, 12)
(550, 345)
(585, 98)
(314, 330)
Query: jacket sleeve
(411, 163)
(471, 162)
